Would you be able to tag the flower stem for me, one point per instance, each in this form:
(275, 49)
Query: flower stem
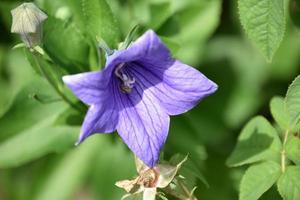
(54, 85)
(283, 153)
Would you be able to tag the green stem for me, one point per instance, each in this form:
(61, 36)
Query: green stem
(283, 153)
(56, 88)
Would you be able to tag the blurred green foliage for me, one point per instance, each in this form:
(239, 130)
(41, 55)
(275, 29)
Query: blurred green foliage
(37, 130)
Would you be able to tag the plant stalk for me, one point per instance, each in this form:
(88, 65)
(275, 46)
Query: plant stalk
(56, 88)
(283, 153)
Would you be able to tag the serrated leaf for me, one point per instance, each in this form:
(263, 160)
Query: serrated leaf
(258, 141)
(68, 175)
(258, 179)
(100, 21)
(35, 143)
(293, 101)
(292, 149)
(264, 23)
(279, 112)
(289, 183)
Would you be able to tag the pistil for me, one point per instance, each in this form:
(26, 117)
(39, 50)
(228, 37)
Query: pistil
(127, 81)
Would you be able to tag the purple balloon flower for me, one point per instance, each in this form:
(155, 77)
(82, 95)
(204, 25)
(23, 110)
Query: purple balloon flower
(136, 92)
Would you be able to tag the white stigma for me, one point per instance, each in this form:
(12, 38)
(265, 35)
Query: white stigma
(127, 82)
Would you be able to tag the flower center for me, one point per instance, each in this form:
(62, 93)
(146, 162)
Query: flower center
(148, 178)
(127, 82)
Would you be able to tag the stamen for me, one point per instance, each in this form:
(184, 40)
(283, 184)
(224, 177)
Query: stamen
(127, 82)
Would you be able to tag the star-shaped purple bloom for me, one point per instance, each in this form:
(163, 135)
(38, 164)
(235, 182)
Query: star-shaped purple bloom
(136, 92)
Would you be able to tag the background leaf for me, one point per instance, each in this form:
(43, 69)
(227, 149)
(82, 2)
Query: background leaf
(264, 23)
(293, 101)
(289, 183)
(66, 44)
(26, 111)
(258, 179)
(78, 24)
(69, 174)
(292, 148)
(100, 21)
(279, 112)
(18, 77)
(35, 143)
(258, 141)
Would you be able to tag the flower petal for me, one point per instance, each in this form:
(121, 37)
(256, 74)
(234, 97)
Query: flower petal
(178, 88)
(147, 48)
(102, 117)
(99, 119)
(90, 87)
(143, 124)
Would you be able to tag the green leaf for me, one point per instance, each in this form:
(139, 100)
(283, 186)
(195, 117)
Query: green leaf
(26, 111)
(159, 12)
(70, 172)
(129, 38)
(264, 23)
(100, 21)
(292, 149)
(66, 44)
(258, 179)
(257, 142)
(17, 75)
(35, 143)
(293, 101)
(289, 183)
(279, 112)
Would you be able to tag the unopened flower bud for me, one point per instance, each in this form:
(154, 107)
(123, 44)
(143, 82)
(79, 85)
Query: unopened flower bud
(27, 21)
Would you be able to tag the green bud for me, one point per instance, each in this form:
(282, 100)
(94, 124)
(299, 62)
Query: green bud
(27, 21)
